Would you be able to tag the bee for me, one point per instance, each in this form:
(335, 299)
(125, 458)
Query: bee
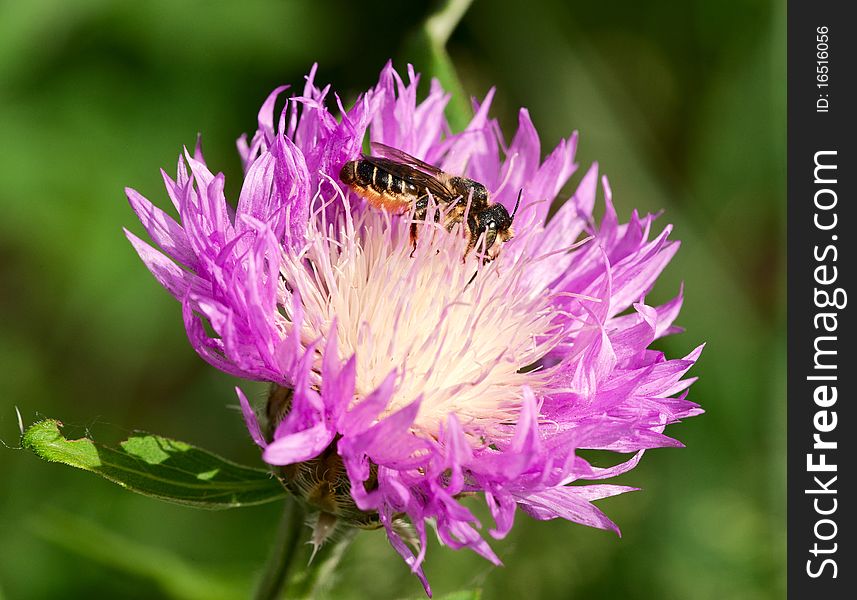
(399, 182)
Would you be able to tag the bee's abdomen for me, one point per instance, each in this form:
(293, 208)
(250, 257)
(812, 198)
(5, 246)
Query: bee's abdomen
(363, 175)
(348, 173)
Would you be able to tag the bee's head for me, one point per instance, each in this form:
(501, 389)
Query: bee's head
(495, 223)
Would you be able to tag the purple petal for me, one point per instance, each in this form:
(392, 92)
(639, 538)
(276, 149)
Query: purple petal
(162, 228)
(175, 280)
(300, 446)
(573, 504)
(250, 419)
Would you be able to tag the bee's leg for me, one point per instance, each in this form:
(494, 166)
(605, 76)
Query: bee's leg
(420, 209)
(472, 235)
(455, 215)
(471, 244)
(413, 238)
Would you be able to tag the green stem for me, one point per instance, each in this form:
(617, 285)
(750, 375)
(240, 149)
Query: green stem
(286, 547)
(426, 50)
(442, 23)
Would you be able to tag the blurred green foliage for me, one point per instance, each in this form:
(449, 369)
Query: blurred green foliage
(682, 104)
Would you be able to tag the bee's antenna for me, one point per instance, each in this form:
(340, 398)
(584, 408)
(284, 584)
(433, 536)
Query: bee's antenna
(517, 203)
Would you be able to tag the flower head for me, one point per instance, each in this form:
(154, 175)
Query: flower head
(407, 378)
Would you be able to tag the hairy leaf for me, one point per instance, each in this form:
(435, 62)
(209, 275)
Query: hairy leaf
(158, 467)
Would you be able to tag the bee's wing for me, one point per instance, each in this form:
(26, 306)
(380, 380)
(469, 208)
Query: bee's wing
(423, 181)
(405, 158)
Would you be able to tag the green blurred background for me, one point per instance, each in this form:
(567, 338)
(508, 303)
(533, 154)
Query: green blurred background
(683, 105)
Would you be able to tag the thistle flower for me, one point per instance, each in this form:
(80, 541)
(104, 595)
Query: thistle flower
(405, 380)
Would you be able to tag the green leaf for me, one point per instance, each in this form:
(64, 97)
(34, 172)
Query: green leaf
(159, 467)
(427, 51)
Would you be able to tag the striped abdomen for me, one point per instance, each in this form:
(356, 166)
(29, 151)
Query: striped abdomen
(379, 187)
